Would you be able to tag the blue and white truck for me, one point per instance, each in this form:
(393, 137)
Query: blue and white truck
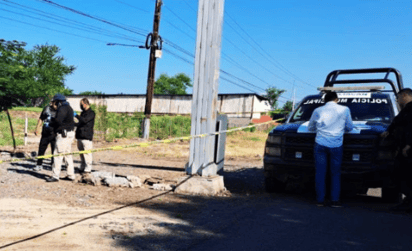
(368, 159)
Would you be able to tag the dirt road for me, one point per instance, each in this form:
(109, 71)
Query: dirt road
(76, 216)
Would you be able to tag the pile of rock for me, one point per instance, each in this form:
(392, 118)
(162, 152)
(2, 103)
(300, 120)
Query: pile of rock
(112, 180)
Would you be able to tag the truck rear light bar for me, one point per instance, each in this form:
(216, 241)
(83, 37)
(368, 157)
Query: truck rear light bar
(332, 78)
(351, 88)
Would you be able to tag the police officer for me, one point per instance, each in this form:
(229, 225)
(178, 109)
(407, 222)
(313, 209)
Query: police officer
(63, 126)
(401, 131)
(47, 134)
(84, 134)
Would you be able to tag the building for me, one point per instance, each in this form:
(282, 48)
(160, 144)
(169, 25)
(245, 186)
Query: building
(240, 108)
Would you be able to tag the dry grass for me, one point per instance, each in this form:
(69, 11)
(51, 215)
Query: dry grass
(246, 144)
(238, 145)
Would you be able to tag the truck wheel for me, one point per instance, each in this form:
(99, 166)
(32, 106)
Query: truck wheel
(273, 185)
(391, 195)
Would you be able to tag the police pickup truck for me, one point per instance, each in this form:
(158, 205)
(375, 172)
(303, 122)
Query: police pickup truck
(367, 158)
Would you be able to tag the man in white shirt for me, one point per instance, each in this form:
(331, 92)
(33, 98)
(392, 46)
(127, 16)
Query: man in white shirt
(330, 122)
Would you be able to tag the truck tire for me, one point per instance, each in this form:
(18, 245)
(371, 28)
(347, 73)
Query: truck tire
(273, 185)
(391, 195)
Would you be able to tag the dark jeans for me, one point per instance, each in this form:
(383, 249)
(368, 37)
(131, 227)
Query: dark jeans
(44, 142)
(324, 157)
(402, 174)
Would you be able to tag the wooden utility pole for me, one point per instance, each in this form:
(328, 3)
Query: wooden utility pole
(11, 128)
(205, 88)
(154, 37)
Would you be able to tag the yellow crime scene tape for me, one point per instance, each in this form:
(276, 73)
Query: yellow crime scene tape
(143, 144)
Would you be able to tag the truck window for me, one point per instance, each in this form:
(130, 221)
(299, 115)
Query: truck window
(362, 109)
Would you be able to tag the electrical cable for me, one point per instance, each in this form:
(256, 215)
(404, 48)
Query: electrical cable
(132, 6)
(68, 33)
(130, 30)
(92, 28)
(78, 28)
(92, 17)
(190, 27)
(280, 67)
(275, 62)
(223, 78)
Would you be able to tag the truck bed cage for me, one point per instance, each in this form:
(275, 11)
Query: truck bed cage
(331, 79)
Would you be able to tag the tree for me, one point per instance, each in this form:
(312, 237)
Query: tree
(287, 107)
(27, 76)
(47, 72)
(273, 93)
(91, 93)
(172, 85)
(12, 71)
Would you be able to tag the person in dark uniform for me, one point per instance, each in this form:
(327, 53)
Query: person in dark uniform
(47, 134)
(84, 134)
(401, 132)
(63, 126)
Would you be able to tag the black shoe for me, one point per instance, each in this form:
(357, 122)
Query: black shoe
(321, 204)
(336, 204)
(69, 178)
(406, 206)
(52, 179)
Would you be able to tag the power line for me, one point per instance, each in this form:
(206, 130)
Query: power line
(65, 20)
(224, 78)
(225, 56)
(224, 72)
(189, 6)
(281, 67)
(230, 60)
(14, 20)
(170, 43)
(191, 63)
(134, 7)
(116, 25)
(92, 17)
(181, 19)
(88, 29)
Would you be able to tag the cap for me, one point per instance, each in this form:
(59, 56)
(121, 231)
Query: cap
(59, 97)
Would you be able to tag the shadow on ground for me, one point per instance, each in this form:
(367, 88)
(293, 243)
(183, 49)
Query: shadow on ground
(253, 220)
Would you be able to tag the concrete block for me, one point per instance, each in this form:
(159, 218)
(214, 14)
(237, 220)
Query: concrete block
(134, 181)
(89, 179)
(116, 182)
(162, 187)
(102, 175)
(201, 185)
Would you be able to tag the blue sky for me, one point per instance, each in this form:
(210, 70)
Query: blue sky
(284, 44)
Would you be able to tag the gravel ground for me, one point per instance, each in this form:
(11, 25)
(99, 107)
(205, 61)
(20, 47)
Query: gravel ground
(29, 206)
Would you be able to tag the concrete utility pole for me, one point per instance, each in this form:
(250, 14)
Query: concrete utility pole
(205, 88)
(152, 66)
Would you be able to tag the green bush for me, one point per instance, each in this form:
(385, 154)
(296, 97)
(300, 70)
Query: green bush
(18, 125)
(250, 129)
(28, 109)
(115, 125)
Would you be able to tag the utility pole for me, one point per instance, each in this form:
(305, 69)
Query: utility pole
(205, 88)
(154, 37)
